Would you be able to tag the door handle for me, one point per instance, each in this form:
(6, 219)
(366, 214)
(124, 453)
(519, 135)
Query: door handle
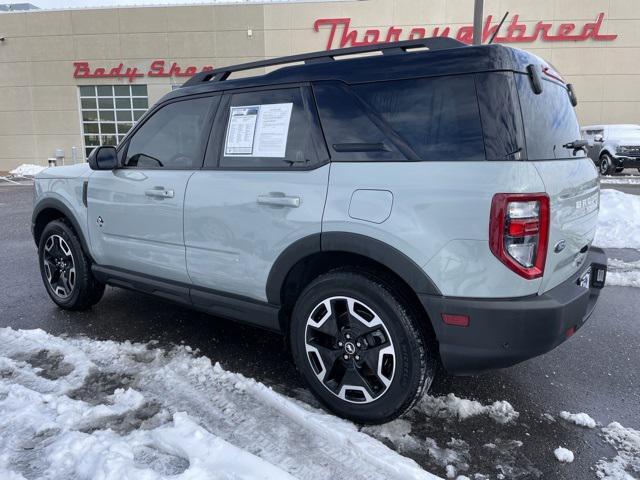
(159, 192)
(279, 200)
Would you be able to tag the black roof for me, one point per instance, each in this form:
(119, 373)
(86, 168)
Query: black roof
(445, 56)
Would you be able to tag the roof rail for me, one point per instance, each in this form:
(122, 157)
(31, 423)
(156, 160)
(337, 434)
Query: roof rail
(393, 48)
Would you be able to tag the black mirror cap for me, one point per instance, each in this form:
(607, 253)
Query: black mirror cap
(103, 158)
(572, 94)
(535, 77)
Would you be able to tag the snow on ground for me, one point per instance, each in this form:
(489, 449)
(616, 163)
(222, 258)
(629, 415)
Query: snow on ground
(461, 408)
(27, 170)
(629, 180)
(618, 220)
(581, 419)
(563, 455)
(623, 274)
(626, 464)
(79, 408)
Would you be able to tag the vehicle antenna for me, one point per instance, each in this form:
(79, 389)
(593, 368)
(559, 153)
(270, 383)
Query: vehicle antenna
(495, 32)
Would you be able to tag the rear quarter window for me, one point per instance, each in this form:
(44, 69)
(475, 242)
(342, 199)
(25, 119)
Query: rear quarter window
(548, 118)
(438, 117)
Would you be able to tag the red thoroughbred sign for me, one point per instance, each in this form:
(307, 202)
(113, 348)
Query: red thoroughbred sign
(341, 35)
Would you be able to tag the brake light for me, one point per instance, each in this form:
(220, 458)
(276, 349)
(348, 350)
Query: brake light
(519, 231)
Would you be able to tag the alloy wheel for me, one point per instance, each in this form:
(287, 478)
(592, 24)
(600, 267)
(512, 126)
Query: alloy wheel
(59, 266)
(350, 350)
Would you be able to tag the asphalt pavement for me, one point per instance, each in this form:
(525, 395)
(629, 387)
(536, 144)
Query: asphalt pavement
(596, 371)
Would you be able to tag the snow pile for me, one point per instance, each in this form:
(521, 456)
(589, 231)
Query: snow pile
(581, 419)
(79, 408)
(618, 220)
(563, 455)
(27, 170)
(623, 274)
(461, 408)
(626, 465)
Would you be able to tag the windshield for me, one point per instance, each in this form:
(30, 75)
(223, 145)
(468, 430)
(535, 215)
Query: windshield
(549, 120)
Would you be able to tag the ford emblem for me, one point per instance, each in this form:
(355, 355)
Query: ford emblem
(560, 246)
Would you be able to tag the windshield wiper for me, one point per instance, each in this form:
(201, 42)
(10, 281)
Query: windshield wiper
(577, 145)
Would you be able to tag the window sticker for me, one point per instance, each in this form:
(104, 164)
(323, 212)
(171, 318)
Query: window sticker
(258, 130)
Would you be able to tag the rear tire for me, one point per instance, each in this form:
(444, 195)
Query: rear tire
(606, 164)
(359, 346)
(66, 269)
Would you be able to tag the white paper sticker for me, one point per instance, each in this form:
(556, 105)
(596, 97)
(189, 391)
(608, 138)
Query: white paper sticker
(258, 130)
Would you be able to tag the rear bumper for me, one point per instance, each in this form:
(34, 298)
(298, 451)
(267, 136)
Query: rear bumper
(503, 332)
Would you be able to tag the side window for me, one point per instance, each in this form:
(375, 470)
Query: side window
(173, 137)
(501, 117)
(438, 117)
(268, 129)
(351, 134)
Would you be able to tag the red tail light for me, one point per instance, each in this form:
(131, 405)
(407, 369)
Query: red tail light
(519, 231)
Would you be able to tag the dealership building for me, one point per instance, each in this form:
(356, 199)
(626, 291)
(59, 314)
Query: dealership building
(74, 79)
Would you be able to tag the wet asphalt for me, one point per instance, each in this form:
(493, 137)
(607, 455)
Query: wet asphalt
(597, 371)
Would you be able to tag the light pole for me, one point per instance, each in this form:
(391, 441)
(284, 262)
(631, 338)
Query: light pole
(477, 22)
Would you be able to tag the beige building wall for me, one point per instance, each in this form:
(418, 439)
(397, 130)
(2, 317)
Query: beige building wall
(39, 104)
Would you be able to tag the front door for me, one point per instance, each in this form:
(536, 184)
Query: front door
(135, 212)
(263, 187)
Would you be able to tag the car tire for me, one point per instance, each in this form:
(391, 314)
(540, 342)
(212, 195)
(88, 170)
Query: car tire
(358, 344)
(66, 269)
(606, 164)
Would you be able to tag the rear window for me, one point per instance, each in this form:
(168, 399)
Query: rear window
(549, 120)
(437, 117)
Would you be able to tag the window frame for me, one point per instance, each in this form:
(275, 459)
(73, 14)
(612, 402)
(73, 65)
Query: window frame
(215, 147)
(204, 140)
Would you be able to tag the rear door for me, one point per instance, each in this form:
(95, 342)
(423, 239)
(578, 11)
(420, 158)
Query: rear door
(136, 212)
(570, 177)
(263, 188)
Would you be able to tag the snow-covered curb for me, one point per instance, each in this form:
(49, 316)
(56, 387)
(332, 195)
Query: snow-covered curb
(79, 408)
(623, 274)
(27, 170)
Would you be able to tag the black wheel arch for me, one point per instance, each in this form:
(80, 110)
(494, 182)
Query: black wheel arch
(50, 209)
(342, 246)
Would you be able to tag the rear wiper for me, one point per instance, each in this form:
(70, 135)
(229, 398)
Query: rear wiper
(577, 145)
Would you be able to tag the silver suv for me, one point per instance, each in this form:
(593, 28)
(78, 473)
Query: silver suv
(387, 213)
(613, 147)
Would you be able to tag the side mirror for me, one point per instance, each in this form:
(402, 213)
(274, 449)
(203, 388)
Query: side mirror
(572, 95)
(103, 158)
(598, 138)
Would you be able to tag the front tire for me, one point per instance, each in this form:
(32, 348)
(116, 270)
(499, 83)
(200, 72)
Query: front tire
(606, 164)
(65, 269)
(359, 346)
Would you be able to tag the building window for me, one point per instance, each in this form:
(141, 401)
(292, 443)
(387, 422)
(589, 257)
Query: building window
(109, 111)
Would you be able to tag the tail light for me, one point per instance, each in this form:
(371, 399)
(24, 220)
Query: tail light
(519, 231)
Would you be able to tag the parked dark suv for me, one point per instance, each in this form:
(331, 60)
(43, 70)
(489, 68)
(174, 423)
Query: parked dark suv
(386, 213)
(613, 147)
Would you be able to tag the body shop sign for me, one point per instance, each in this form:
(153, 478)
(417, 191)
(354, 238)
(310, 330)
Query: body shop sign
(341, 35)
(158, 68)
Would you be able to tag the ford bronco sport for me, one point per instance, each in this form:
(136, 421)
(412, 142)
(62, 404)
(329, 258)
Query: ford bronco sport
(387, 213)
